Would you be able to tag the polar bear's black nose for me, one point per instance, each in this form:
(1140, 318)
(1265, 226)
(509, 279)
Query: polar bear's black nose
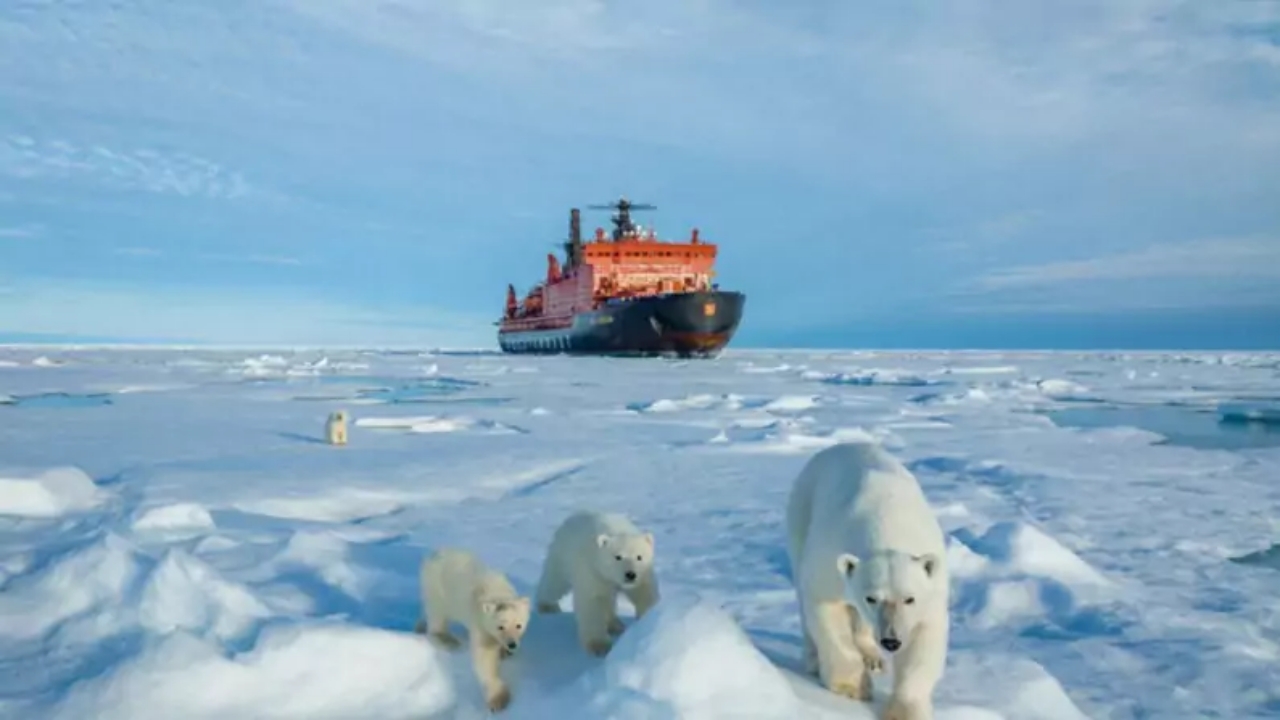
(512, 645)
(890, 644)
(630, 576)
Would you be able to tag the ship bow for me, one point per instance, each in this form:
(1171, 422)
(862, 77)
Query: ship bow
(696, 323)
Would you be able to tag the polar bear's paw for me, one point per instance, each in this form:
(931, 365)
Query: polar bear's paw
(598, 647)
(897, 709)
(853, 691)
(498, 699)
(447, 640)
(874, 663)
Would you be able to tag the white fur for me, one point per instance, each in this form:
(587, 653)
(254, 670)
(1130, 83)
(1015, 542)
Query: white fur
(458, 587)
(859, 527)
(590, 554)
(335, 428)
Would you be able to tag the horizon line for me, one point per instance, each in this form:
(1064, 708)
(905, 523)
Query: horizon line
(307, 347)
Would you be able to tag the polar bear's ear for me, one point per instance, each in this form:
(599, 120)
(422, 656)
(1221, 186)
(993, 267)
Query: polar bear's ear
(846, 564)
(521, 603)
(488, 607)
(648, 537)
(930, 562)
(602, 540)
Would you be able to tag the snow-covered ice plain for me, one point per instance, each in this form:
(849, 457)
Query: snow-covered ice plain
(176, 541)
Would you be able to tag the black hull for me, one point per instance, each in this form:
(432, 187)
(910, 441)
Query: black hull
(698, 324)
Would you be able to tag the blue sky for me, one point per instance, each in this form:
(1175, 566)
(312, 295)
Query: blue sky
(885, 174)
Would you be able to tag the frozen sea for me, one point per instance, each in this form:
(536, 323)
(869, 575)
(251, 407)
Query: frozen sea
(176, 540)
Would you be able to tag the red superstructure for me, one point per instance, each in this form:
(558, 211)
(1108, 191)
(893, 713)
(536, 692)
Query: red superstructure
(631, 281)
(633, 263)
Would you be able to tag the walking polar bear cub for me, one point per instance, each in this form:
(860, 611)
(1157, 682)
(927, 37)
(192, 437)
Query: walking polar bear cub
(595, 556)
(868, 561)
(458, 587)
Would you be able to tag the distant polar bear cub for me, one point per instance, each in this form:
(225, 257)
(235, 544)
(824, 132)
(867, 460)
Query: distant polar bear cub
(458, 587)
(335, 428)
(595, 555)
(868, 560)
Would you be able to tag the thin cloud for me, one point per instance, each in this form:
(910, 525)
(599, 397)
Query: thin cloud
(1040, 71)
(987, 234)
(233, 316)
(256, 259)
(1225, 275)
(1093, 303)
(1218, 258)
(165, 173)
(19, 232)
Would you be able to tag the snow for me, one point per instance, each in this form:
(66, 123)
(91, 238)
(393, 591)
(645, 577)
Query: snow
(301, 671)
(192, 548)
(48, 494)
(721, 674)
(177, 517)
(340, 505)
(1062, 389)
(434, 424)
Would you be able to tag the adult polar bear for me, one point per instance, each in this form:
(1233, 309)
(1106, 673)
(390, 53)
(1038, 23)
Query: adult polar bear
(868, 561)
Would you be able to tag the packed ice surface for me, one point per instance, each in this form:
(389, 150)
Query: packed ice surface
(177, 539)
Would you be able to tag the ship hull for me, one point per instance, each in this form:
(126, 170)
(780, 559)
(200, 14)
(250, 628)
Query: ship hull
(696, 324)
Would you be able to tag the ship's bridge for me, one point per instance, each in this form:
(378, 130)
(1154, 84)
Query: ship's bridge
(642, 264)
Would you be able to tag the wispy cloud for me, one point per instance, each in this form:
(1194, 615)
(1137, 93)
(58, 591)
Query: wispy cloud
(1229, 258)
(986, 234)
(138, 251)
(1220, 275)
(1037, 69)
(229, 316)
(252, 258)
(25, 158)
(21, 231)
(1009, 225)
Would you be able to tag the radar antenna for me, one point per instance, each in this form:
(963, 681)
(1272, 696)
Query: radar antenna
(622, 225)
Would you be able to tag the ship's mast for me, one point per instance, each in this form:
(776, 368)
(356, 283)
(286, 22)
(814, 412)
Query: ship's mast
(573, 248)
(622, 225)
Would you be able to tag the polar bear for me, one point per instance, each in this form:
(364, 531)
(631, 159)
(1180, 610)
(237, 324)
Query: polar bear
(868, 561)
(335, 428)
(458, 587)
(595, 556)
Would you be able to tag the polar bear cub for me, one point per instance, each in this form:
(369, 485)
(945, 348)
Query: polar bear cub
(868, 561)
(458, 587)
(595, 556)
(335, 428)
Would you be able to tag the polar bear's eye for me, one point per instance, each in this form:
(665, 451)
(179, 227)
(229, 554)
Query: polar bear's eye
(910, 601)
(640, 558)
(871, 600)
(502, 627)
(618, 558)
(519, 626)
